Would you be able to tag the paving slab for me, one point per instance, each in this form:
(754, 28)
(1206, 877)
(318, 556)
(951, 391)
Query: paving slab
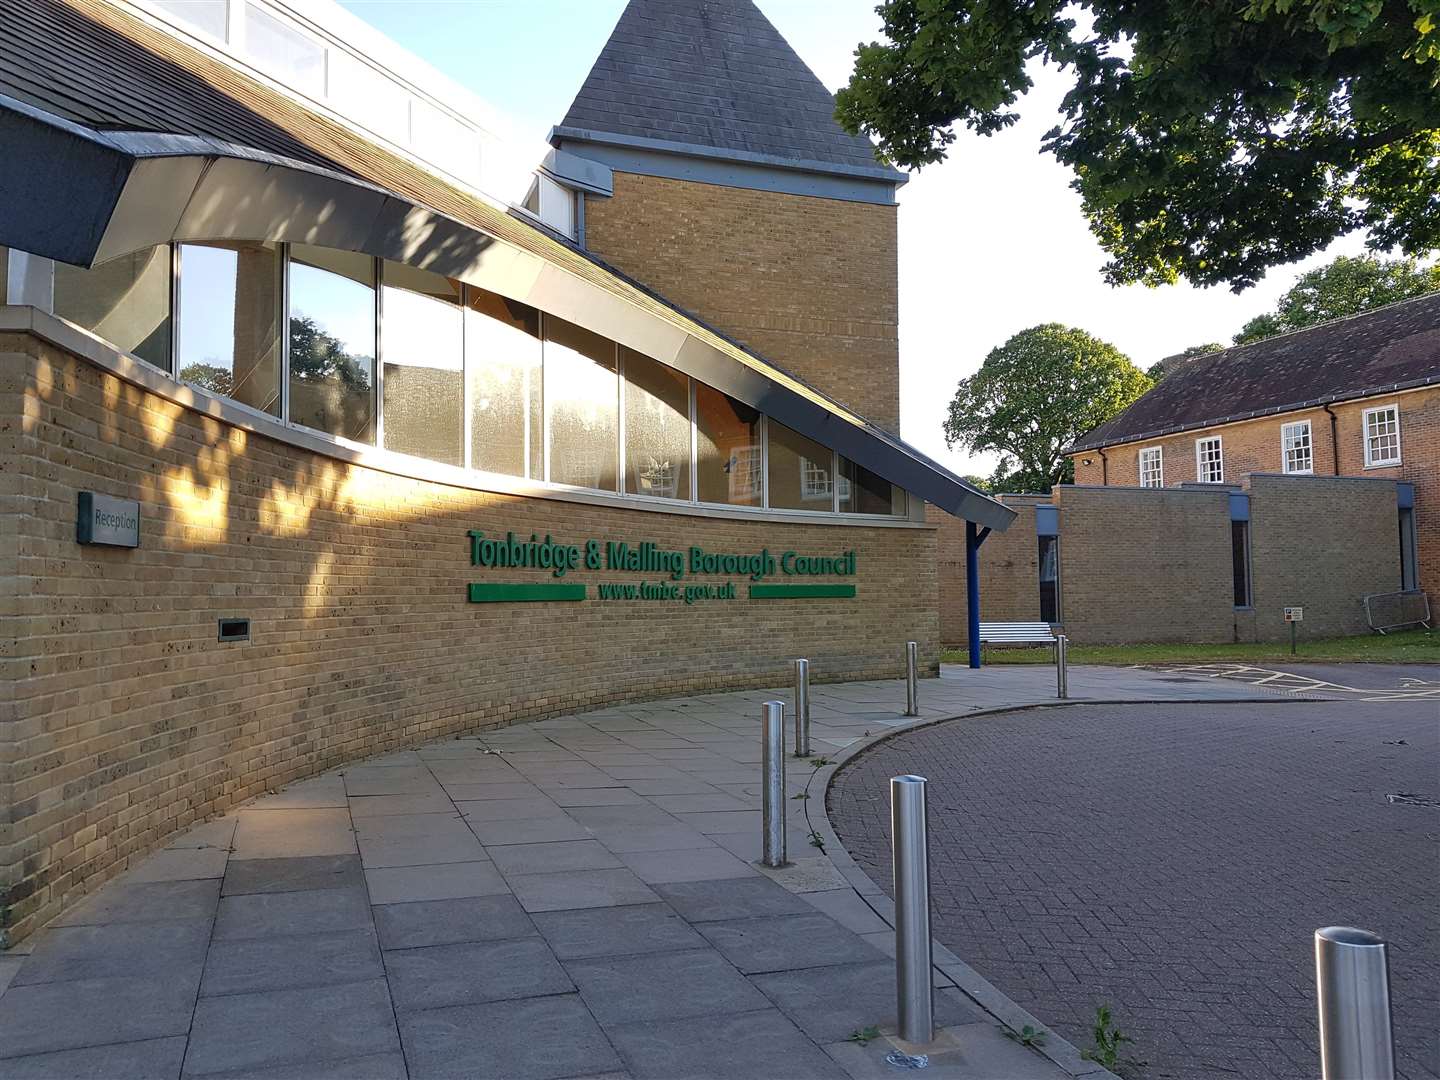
(969, 1052)
(662, 986)
(754, 1044)
(67, 953)
(94, 1012)
(539, 830)
(275, 834)
(152, 1059)
(451, 922)
(710, 901)
(687, 864)
(553, 858)
(528, 1039)
(162, 901)
(472, 973)
(615, 931)
(315, 911)
(580, 889)
(185, 864)
(247, 965)
(237, 1032)
(786, 942)
(304, 873)
(439, 881)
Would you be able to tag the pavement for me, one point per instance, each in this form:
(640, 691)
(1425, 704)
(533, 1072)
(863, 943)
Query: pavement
(1335, 682)
(1172, 861)
(568, 898)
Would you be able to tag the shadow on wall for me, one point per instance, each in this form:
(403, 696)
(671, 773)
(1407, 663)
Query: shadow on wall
(132, 721)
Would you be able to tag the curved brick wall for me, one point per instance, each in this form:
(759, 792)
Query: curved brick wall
(125, 720)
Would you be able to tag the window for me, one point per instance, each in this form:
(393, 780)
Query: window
(229, 308)
(126, 301)
(657, 428)
(1049, 560)
(1152, 467)
(332, 341)
(802, 472)
(1409, 566)
(865, 492)
(502, 361)
(206, 15)
(728, 449)
(1240, 561)
(422, 350)
(284, 52)
(1296, 452)
(1382, 436)
(1209, 461)
(581, 406)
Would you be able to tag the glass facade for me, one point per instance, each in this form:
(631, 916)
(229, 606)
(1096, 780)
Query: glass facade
(422, 350)
(229, 321)
(126, 301)
(332, 342)
(466, 377)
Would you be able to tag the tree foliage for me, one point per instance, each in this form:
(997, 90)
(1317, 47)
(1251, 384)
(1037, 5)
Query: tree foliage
(1161, 368)
(1209, 141)
(1036, 394)
(317, 356)
(1347, 286)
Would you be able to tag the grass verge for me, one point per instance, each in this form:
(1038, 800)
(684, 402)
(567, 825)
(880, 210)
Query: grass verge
(1402, 647)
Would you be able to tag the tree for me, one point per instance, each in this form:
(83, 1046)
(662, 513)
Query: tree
(1209, 141)
(1034, 396)
(210, 376)
(1161, 368)
(316, 356)
(1344, 287)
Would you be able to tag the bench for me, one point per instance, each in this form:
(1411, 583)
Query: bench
(1016, 633)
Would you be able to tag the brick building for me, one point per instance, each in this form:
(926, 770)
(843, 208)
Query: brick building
(1303, 470)
(327, 431)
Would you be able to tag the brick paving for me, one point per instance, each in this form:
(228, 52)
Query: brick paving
(1173, 860)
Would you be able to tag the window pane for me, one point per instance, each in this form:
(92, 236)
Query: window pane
(800, 471)
(126, 301)
(206, 15)
(580, 400)
(1240, 561)
(729, 448)
(1152, 472)
(284, 51)
(502, 356)
(230, 321)
(865, 492)
(332, 341)
(657, 428)
(422, 342)
(1049, 560)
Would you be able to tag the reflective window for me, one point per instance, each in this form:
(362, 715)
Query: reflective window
(729, 456)
(1209, 461)
(865, 492)
(206, 15)
(802, 473)
(1296, 447)
(422, 347)
(332, 341)
(502, 357)
(284, 51)
(1240, 561)
(126, 301)
(1382, 436)
(229, 309)
(657, 428)
(581, 405)
(1049, 563)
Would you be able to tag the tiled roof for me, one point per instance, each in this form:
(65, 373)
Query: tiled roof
(1390, 348)
(714, 74)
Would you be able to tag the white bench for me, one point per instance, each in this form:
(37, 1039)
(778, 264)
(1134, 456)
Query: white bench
(1016, 633)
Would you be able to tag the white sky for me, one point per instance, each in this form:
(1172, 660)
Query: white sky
(991, 241)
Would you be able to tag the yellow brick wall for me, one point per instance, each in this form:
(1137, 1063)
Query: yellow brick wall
(125, 720)
(808, 283)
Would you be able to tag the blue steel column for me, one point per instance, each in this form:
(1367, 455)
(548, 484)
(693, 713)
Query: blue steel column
(972, 590)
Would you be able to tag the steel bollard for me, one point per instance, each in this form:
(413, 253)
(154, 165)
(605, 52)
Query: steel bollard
(912, 683)
(1062, 688)
(913, 959)
(1352, 977)
(802, 708)
(772, 800)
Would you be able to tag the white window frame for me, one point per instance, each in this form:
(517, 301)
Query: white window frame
(1159, 453)
(1370, 461)
(1200, 444)
(1291, 441)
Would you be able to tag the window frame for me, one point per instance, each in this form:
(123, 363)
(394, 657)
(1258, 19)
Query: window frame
(1219, 459)
(1370, 462)
(1286, 447)
(1159, 452)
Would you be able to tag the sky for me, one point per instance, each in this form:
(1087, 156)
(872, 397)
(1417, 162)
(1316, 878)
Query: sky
(992, 240)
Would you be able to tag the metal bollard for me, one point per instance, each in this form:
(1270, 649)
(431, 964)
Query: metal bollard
(1352, 977)
(772, 799)
(1062, 646)
(912, 684)
(802, 708)
(913, 960)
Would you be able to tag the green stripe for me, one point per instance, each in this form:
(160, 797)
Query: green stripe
(789, 592)
(499, 594)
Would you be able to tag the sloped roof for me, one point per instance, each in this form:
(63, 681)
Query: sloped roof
(1391, 348)
(714, 74)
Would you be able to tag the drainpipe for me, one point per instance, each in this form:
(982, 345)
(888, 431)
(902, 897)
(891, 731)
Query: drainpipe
(1334, 440)
(1104, 469)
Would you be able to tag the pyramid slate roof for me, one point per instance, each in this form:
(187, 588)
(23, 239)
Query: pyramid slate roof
(714, 74)
(1392, 348)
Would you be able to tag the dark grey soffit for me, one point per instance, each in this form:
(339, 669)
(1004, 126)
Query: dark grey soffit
(84, 197)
